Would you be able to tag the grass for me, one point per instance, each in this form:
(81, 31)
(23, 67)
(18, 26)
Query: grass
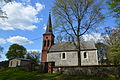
(19, 74)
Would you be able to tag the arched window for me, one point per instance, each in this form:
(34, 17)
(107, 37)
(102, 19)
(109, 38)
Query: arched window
(48, 42)
(85, 55)
(63, 56)
(44, 43)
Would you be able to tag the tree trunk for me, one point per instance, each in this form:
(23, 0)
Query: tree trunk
(79, 58)
(79, 49)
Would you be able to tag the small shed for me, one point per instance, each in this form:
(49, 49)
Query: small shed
(26, 64)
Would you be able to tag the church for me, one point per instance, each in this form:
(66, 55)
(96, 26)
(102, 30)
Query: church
(66, 54)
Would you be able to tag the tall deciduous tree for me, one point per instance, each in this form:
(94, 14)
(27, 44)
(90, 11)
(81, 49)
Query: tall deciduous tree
(16, 51)
(75, 17)
(34, 58)
(115, 53)
(101, 49)
(115, 7)
(112, 40)
(114, 47)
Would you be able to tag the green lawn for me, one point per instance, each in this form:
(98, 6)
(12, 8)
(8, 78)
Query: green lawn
(19, 74)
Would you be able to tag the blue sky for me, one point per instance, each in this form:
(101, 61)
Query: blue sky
(28, 30)
(26, 23)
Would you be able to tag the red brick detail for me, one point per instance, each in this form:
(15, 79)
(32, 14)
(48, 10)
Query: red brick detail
(44, 56)
(50, 66)
(48, 41)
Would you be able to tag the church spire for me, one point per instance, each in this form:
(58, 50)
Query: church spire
(49, 24)
(48, 40)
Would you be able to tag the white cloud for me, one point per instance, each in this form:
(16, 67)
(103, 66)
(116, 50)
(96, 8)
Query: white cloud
(34, 50)
(44, 27)
(97, 37)
(20, 16)
(2, 2)
(19, 40)
(2, 57)
(39, 6)
(2, 41)
(26, 0)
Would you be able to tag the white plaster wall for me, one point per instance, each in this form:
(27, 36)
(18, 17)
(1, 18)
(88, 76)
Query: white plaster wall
(14, 62)
(92, 58)
(71, 58)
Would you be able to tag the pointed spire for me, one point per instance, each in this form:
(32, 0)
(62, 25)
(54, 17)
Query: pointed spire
(49, 24)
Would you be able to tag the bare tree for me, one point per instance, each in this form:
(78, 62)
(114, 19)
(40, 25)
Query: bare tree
(111, 35)
(113, 42)
(75, 17)
(59, 39)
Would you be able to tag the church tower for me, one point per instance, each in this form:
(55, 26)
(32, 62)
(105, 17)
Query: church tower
(48, 40)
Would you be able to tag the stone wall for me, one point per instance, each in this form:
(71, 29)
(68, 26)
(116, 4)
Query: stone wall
(72, 58)
(92, 58)
(4, 64)
(89, 70)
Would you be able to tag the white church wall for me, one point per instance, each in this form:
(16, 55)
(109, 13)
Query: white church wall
(92, 58)
(70, 58)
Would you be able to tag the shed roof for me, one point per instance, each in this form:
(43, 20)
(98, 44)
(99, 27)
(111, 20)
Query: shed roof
(69, 46)
(22, 59)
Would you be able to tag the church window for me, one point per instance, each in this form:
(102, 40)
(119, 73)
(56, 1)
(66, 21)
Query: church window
(85, 55)
(63, 56)
(44, 43)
